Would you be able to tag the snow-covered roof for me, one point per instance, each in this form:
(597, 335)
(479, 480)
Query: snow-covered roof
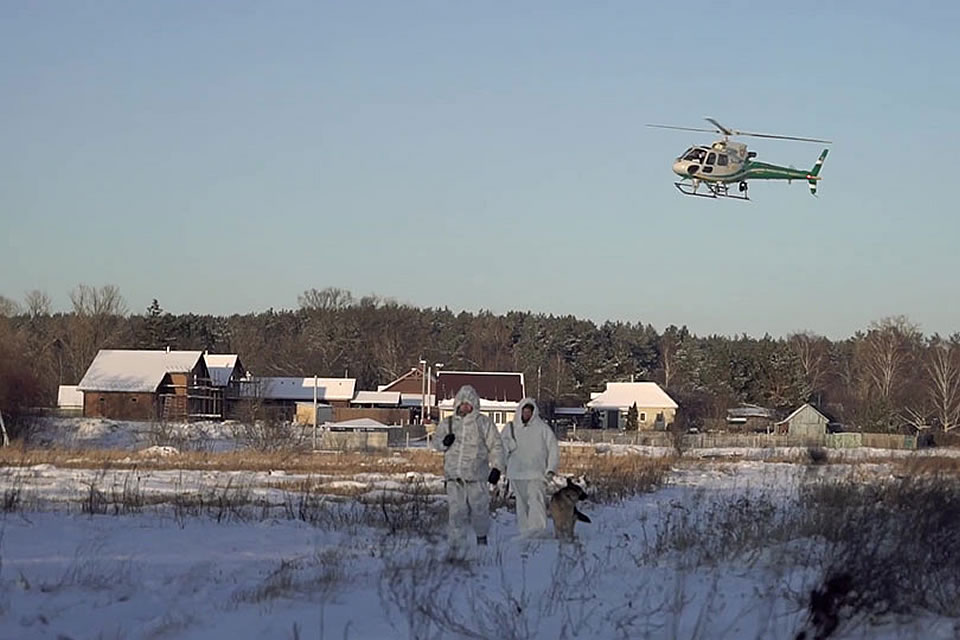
(221, 368)
(797, 411)
(377, 397)
(135, 371)
(359, 423)
(69, 396)
(749, 411)
(623, 395)
(278, 388)
(415, 400)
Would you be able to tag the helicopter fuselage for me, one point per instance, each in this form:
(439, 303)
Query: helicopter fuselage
(728, 162)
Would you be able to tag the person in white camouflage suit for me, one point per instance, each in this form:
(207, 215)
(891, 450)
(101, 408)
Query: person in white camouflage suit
(472, 457)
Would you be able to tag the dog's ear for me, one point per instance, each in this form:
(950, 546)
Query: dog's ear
(569, 481)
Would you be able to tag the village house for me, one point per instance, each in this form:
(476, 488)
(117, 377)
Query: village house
(148, 385)
(69, 399)
(227, 375)
(286, 397)
(750, 418)
(380, 406)
(656, 409)
(413, 391)
(500, 392)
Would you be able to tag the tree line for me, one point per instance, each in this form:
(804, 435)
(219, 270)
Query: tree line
(887, 377)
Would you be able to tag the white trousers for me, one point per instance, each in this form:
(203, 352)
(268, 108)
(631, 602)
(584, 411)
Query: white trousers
(468, 506)
(531, 505)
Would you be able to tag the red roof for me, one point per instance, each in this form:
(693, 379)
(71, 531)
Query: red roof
(490, 385)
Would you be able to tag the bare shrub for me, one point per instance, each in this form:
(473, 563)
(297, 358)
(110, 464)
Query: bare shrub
(90, 572)
(707, 531)
(415, 511)
(95, 502)
(128, 498)
(433, 598)
(13, 495)
(228, 503)
(166, 434)
(270, 434)
(896, 538)
(816, 455)
(315, 578)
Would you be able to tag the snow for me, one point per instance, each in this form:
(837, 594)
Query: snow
(135, 371)
(69, 397)
(623, 395)
(102, 433)
(389, 398)
(281, 388)
(220, 367)
(162, 573)
(359, 423)
(213, 554)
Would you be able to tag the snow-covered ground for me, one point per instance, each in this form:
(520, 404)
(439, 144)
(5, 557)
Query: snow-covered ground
(259, 569)
(142, 553)
(101, 433)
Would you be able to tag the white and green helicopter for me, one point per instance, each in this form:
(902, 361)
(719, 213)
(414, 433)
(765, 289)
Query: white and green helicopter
(723, 163)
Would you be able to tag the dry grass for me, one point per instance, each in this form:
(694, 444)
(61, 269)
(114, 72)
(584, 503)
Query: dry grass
(573, 461)
(614, 477)
(329, 463)
(926, 466)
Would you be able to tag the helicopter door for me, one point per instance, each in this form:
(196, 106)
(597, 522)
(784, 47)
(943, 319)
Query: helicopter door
(711, 160)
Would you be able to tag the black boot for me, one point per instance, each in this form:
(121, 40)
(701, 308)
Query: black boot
(482, 541)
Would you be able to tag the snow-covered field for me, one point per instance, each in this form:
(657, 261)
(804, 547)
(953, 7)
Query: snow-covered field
(714, 552)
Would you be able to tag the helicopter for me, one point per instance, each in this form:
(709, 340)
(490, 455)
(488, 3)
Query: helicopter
(724, 163)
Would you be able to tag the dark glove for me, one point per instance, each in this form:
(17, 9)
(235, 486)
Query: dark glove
(448, 440)
(494, 476)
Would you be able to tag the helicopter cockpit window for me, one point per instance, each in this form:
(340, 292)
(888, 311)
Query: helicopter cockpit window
(722, 160)
(694, 155)
(711, 158)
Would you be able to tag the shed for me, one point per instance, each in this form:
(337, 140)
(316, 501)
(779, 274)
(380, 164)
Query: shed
(806, 421)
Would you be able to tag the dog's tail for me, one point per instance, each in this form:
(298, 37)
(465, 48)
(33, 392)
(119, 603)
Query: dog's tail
(580, 516)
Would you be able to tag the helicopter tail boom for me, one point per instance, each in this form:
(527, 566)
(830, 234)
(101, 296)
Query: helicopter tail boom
(815, 172)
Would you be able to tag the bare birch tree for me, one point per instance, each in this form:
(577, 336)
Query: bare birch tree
(942, 366)
(37, 303)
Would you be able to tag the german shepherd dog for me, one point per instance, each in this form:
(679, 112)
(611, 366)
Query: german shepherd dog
(563, 509)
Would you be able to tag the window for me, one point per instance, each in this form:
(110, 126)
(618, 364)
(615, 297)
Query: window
(711, 158)
(643, 416)
(134, 399)
(722, 160)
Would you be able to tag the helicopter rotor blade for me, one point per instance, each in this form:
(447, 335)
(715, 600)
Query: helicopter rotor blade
(776, 137)
(722, 129)
(667, 126)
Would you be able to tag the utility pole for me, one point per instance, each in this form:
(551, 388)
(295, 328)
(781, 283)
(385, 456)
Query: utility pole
(315, 380)
(436, 389)
(423, 388)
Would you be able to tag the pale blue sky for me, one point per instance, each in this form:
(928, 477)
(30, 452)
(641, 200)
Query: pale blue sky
(224, 156)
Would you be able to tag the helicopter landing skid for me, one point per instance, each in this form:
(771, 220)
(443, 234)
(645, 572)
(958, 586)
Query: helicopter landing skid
(714, 190)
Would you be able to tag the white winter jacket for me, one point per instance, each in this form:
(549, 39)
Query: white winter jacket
(531, 448)
(476, 446)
